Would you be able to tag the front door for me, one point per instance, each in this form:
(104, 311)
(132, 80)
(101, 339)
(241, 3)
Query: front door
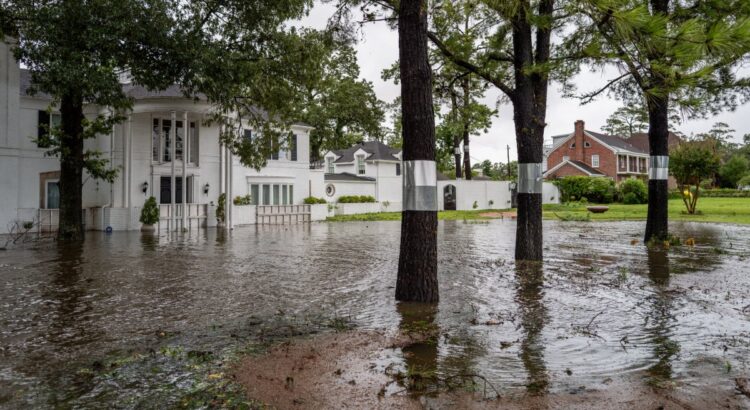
(165, 195)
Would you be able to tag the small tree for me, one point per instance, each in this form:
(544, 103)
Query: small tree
(690, 163)
(733, 170)
(150, 212)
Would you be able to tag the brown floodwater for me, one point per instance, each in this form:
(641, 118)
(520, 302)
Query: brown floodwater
(599, 309)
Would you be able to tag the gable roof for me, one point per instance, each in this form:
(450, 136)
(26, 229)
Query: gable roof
(640, 140)
(583, 167)
(616, 142)
(376, 150)
(345, 176)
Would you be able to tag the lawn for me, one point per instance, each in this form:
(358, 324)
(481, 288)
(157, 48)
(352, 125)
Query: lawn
(730, 210)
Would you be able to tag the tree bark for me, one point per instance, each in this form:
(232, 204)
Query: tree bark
(417, 265)
(657, 220)
(456, 137)
(529, 111)
(71, 169)
(465, 133)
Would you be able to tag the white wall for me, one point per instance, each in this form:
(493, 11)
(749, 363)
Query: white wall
(353, 209)
(317, 186)
(550, 194)
(480, 191)
(344, 188)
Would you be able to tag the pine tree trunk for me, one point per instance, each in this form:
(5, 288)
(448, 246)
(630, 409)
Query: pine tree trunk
(657, 222)
(457, 157)
(529, 111)
(465, 133)
(417, 264)
(71, 169)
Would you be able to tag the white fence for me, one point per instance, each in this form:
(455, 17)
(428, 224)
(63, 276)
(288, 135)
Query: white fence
(282, 214)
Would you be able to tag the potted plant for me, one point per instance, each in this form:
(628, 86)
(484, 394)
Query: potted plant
(149, 215)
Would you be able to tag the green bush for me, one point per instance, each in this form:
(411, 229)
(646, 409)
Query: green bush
(601, 191)
(243, 200)
(630, 199)
(593, 189)
(220, 216)
(311, 200)
(150, 212)
(635, 187)
(356, 199)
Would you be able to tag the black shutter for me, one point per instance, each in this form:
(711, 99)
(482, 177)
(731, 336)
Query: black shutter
(42, 122)
(294, 147)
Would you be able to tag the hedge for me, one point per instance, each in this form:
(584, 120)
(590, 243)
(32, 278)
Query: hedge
(311, 200)
(593, 189)
(715, 193)
(355, 199)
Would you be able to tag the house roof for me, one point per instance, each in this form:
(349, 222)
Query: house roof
(617, 142)
(345, 176)
(640, 140)
(376, 150)
(583, 167)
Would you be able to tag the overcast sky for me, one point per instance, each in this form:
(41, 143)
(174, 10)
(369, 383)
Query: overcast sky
(377, 49)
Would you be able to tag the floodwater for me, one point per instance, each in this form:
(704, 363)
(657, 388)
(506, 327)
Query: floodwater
(600, 308)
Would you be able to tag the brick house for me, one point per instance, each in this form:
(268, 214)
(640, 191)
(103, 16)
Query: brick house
(589, 153)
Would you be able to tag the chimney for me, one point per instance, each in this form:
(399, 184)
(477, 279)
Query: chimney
(579, 141)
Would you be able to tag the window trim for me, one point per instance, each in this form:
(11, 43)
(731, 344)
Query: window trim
(361, 166)
(595, 164)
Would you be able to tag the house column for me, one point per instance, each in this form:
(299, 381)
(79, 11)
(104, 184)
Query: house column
(172, 152)
(185, 152)
(129, 173)
(125, 168)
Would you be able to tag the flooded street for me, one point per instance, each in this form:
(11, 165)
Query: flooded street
(109, 323)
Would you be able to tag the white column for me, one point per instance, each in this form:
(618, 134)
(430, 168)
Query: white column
(129, 172)
(185, 143)
(172, 145)
(230, 190)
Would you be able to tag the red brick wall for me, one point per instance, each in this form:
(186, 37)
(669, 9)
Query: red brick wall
(607, 158)
(566, 171)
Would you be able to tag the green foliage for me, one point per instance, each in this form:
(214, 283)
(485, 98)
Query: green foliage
(597, 190)
(633, 118)
(243, 200)
(342, 108)
(733, 170)
(355, 199)
(637, 188)
(574, 217)
(311, 200)
(744, 182)
(150, 212)
(690, 163)
(631, 198)
(475, 205)
(220, 211)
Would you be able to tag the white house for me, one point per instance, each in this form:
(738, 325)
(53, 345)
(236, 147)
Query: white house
(192, 171)
(368, 168)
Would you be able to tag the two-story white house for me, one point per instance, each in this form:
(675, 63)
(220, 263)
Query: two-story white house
(368, 168)
(164, 148)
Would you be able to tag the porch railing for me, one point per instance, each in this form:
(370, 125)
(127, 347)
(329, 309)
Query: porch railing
(282, 214)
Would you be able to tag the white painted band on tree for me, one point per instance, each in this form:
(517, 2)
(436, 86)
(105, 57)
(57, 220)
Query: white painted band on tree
(530, 178)
(466, 147)
(658, 168)
(420, 185)
(457, 151)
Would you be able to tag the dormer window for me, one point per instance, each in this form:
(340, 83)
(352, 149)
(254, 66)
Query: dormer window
(329, 165)
(360, 164)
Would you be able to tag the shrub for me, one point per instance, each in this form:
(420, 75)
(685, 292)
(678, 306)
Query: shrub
(475, 205)
(220, 216)
(630, 199)
(356, 199)
(311, 200)
(601, 190)
(635, 187)
(594, 189)
(243, 200)
(150, 212)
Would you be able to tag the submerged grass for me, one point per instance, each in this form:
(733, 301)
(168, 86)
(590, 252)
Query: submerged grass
(728, 210)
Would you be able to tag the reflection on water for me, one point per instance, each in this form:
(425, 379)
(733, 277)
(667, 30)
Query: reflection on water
(650, 314)
(660, 321)
(533, 316)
